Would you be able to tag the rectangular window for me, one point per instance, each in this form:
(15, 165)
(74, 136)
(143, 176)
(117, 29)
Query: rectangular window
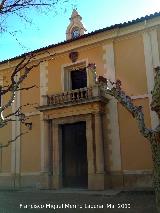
(79, 78)
(75, 77)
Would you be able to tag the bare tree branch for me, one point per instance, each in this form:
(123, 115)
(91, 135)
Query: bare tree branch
(13, 6)
(2, 4)
(12, 140)
(23, 68)
(114, 89)
(28, 88)
(136, 111)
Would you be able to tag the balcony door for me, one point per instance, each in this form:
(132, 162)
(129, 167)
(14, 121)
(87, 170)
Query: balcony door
(78, 78)
(74, 155)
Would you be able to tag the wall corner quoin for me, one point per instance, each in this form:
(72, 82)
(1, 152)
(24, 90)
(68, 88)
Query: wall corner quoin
(43, 80)
(152, 60)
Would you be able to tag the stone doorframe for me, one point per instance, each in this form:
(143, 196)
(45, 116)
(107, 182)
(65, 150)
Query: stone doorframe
(95, 149)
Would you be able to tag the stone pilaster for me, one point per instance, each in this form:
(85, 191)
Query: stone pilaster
(99, 144)
(90, 148)
(44, 127)
(57, 167)
(15, 147)
(112, 115)
(45, 152)
(96, 179)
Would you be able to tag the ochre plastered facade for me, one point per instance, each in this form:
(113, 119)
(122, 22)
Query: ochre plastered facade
(117, 155)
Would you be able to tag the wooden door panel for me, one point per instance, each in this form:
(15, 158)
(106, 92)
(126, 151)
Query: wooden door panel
(74, 155)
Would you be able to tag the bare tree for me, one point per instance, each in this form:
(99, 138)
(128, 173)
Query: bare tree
(152, 135)
(23, 10)
(27, 61)
(15, 6)
(18, 75)
(20, 72)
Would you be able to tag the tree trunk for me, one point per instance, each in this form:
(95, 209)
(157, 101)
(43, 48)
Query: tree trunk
(155, 146)
(153, 135)
(158, 201)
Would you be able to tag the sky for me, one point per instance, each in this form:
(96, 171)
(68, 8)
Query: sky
(50, 27)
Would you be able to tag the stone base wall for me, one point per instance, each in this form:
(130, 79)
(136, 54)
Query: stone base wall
(6, 182)
(128, 181)
(95, 182)
(20, 181)
(142, 180)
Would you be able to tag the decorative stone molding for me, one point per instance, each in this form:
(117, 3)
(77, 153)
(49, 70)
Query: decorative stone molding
(81, 109)
(65, 73)
(95, 157)
(73, 56)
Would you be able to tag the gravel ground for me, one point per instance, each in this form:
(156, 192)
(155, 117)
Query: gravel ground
(77, 202)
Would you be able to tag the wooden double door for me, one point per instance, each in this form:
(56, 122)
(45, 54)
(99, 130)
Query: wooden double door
(74, 155)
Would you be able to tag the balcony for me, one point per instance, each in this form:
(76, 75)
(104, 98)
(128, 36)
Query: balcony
(73, 97)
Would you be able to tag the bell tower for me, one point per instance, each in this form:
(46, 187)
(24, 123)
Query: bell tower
(75, 28)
